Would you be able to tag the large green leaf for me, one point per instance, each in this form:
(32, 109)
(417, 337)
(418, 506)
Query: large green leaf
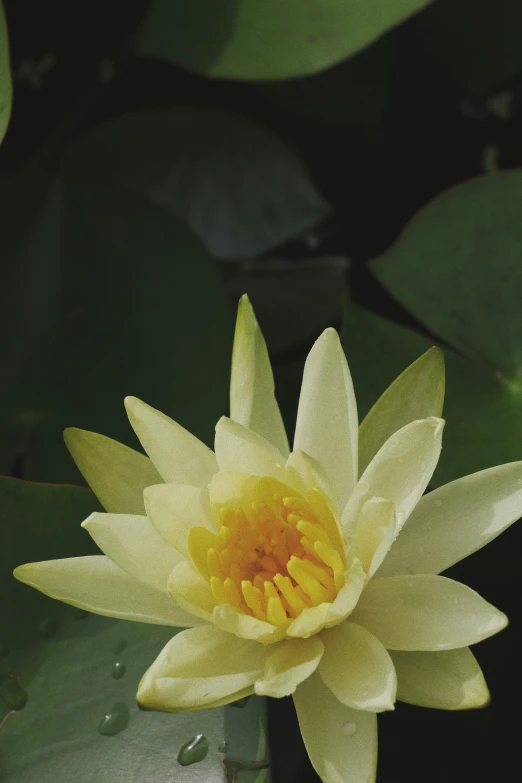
(479, 47)
(484, 420)
(457, 268)
(275, 39)
(106, 295)
(65, 663)
(240, 188)
(5, 76)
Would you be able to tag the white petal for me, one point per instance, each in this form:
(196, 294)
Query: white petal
(400, 471)
(426, 612)
(174, 509)
(341, 742)
(310, 475)
(326, 427)
(446, 680)
(98, 585)
(357, 668)
(252, 398)
(191, 591)
(241, 450)
(177, 454)
(116, 474)
(373, 534)
(131, 542)
(455, 520)
(200, 668)
(417, 393)
(292, 662)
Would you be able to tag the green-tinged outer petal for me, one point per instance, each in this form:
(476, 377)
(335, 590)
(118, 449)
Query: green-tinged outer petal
(246, 627)
(326, 426)
(426, 612)
(341, 742)
(417, 393)
(191, 591)
(178, 456)
(6, 87)
(357, 668)
(98, 585)
(133, 544)
(116, 474)
(455, 520)
(373, 534)
(313, 620)
(174, 509)
(399, 472)
(291, 663)
(252, 398)
(240, 449)
(200, 668)
(445, 680)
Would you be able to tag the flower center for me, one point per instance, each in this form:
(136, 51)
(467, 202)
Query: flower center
(276, 552)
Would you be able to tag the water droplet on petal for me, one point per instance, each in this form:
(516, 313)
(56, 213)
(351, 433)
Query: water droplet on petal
(438, 503)
(115, 720)
(349, 729)
(47, 627)
(118, 670)
(240, 703)
(118, 646)
(193, 751)
(223, 747)
(11, 692)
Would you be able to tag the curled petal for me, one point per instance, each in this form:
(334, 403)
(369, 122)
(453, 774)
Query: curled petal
(292, 662)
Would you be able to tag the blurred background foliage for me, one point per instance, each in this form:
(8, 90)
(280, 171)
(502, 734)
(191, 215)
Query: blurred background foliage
(346, 163)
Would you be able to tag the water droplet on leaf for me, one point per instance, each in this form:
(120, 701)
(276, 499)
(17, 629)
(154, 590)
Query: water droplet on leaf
(193, 751)
(115, 720)
(349, 729)
(11, 692)
(223, 747)
(118, 670)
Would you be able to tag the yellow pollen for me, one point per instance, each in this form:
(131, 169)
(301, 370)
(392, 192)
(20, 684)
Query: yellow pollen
(276, 553)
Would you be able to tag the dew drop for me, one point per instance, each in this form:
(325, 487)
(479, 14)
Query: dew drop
(223, 747)
(240, 703)
(118, 670)
(115, 720)
(438, 503)
(47, 627)
(79, 614)
(193, 751)
(349, 729)
(118, 646)
(11, 692)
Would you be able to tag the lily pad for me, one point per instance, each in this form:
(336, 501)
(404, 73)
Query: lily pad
(106, 295)
(277, 39)
(456, 267)
(79, 721)
(239, 188)
(6, 97)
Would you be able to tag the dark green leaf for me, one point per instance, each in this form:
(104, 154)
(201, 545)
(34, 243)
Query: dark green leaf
(240, 189)
(246, 39)
(106, 295)
(479, 45)
(79, 721)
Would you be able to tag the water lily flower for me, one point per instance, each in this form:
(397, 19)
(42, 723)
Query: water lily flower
(313, 572)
